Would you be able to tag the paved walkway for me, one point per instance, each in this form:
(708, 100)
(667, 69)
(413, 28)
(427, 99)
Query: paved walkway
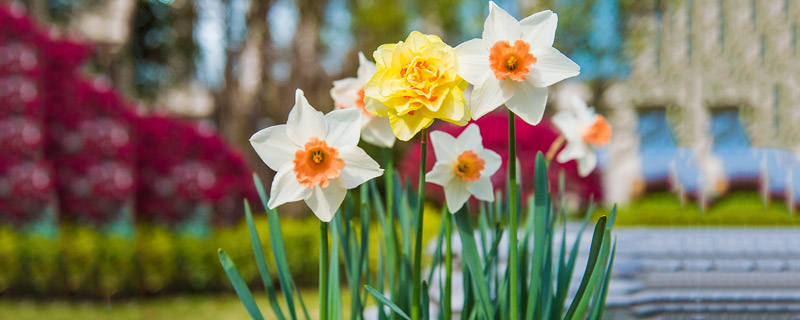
(694, 272)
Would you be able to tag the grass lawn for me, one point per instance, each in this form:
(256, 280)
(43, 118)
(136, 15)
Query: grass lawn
(737, 209)
(196, 307)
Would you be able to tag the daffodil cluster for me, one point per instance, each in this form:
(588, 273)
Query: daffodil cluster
(412, 83)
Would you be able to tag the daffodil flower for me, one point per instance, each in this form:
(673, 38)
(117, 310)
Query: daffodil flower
(416, 82)
(349, 93)
(463, 167)
(316, 157)
(585, 132)
(513, 64)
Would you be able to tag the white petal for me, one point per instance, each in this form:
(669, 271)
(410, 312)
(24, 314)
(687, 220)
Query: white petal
(573, 150)
(304, 121)
(273, 146)
(345, 92)
(584, 115)
(499, 26)
(482, 189)
(528, 102)
(469, 139)
(285, 187)
(378, 132)
(344, 127)
(493, 162)
(325, 201)
(472, 61)
(539, 29)
(488, 95)
(358, 167)
(441, 174)
(366, 68)
(444, 146)
(587, 163)
(456, 195)
(551, 66)
(568, 124)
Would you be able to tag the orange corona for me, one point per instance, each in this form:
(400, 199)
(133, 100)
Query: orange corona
(507, 61)
(599, 133)
(469, 166)
(317, 164)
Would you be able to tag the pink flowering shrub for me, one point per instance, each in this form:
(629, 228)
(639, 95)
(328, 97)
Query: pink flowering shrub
(72, 142)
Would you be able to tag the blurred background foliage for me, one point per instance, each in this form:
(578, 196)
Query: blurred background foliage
(237, 62)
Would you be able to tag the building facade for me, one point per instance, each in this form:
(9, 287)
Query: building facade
(710, 103)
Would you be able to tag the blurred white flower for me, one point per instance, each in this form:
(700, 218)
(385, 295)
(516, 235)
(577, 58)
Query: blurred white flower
(585, 132)
(316, 157)
(349, 93)
(463, 167)
(513, 63)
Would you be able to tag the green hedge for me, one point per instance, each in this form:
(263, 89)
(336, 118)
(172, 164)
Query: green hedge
(83, 261)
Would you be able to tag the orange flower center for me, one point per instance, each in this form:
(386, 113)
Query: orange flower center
(469, 166)
(599, 133)
(509, 61)
(359, 103)
(317, 164)
(420, 75)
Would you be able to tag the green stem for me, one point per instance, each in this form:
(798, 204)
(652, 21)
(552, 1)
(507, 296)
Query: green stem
(389, 176)
(416, 301)
(323, 270)
(448, 261)
(512, 196)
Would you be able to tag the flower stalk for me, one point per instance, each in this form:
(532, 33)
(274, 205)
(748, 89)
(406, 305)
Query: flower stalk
(416, 295)
(512, 202)
(323, 270)
(448, 261)
(557, 144)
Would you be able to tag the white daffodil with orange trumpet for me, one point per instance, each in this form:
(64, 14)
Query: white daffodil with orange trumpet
(316, 157)
(463, 167)
(349, 93)
(585, 132)
(513, 64)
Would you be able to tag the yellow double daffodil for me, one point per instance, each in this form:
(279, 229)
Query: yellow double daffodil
(416, 81)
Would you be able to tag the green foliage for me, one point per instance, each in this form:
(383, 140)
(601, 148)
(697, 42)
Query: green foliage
(84, 261)
(734, 209)
(543, 282)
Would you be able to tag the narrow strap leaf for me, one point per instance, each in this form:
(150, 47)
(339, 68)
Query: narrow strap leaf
(470, 255)
(594, 253)
(387, 302)
(426, 301)
(239, 286)
(279, 253)
(261, 262)
(600, 304)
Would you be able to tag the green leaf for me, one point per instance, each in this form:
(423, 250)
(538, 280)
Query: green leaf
(565, 274)
(426, 301)
(597, 273)
(600, 302)
(261, 262)
(239, 286)
(387, 302)
(594, 253)
(471, 257)
(279, 253)
(541, 217)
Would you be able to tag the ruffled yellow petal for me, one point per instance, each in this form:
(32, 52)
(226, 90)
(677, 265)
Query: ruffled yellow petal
(416, 82)
(406, 126)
